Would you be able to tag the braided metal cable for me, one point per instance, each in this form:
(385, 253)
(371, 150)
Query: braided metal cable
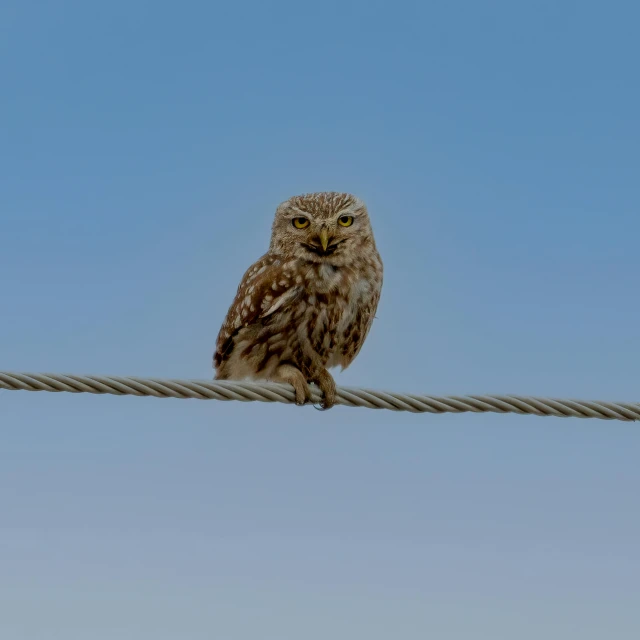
(348, 396)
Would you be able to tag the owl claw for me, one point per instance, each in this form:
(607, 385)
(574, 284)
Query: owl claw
(327, 404)
(292, 375)
(303, 393)
(328, 387)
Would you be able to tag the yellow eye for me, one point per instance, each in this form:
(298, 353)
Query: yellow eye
(300, 223)
(345, 221)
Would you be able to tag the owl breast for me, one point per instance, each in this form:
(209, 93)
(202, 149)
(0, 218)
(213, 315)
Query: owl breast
(339, 308)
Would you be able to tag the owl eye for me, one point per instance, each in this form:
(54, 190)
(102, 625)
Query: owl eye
(345, 221)
(300, 223)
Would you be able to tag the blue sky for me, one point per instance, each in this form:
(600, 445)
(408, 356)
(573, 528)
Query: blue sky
(144, 148)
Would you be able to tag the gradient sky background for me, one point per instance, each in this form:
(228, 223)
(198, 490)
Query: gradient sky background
(144, 147)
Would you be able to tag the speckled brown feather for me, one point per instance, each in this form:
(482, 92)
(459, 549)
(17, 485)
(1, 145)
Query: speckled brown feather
(299, 313)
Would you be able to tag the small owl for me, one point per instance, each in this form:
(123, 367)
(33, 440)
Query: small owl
(307, 305)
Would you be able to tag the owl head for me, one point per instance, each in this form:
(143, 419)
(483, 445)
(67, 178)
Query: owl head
(322, 227)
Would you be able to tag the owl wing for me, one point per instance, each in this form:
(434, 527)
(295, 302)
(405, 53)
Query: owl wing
(267, 286)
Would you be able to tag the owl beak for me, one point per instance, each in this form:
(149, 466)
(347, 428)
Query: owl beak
(324, 239)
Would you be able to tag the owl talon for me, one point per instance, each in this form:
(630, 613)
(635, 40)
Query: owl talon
(327, 404)
(292, 375)
(303, 393)
(302, 399)
(328, 387)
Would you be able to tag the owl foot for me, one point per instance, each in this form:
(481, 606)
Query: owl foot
(303, 393)
(290, 374)
(328, 387)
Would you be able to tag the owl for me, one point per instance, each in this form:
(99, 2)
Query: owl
(307, 305)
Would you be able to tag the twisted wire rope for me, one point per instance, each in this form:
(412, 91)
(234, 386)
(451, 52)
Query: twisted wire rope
(347, 396)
